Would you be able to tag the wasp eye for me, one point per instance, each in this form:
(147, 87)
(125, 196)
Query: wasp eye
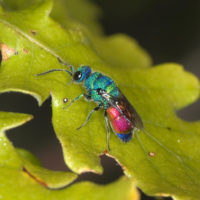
(77, 75)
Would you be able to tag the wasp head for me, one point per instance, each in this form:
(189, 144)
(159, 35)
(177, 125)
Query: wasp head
(82, 73)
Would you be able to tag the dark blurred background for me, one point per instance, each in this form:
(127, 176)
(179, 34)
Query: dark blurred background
(169, 30)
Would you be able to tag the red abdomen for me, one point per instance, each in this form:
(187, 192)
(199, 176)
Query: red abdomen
(119, 122)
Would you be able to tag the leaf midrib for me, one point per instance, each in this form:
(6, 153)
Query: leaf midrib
(31, 39)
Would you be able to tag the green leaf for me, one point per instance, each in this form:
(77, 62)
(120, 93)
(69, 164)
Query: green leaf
(23, 188)
(7, 121)
(23, 178)
(163, 158)
(28, 156)
(10, 159)
(121, 51)
(118, 50)
(72, 12)
(24, 32)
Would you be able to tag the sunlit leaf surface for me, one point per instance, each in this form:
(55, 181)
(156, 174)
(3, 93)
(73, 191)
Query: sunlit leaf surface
(163, 158)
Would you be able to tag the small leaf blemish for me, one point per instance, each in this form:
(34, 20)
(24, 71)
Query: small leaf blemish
(105, 151)
(5, 15)
(152, 154)
(25, 50)
(169, 128)
(33, 32)
(6, 52)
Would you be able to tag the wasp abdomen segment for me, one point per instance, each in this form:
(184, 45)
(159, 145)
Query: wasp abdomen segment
(120, 124)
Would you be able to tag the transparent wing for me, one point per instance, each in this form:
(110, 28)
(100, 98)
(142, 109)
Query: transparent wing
(122, 104)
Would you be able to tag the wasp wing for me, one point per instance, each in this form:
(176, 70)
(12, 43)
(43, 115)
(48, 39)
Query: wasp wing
(122, 104)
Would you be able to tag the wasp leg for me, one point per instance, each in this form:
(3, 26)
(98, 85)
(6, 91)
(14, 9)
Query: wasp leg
(75, 99)
(95, 109)
(88, 97)
(108, 129)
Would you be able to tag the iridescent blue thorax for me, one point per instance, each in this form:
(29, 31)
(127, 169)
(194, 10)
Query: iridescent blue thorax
(97, 81)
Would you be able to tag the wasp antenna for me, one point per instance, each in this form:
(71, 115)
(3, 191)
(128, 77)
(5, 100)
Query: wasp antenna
(54, 70)
(66, 64)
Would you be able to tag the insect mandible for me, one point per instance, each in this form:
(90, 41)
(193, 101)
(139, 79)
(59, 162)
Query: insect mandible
(101, 89)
